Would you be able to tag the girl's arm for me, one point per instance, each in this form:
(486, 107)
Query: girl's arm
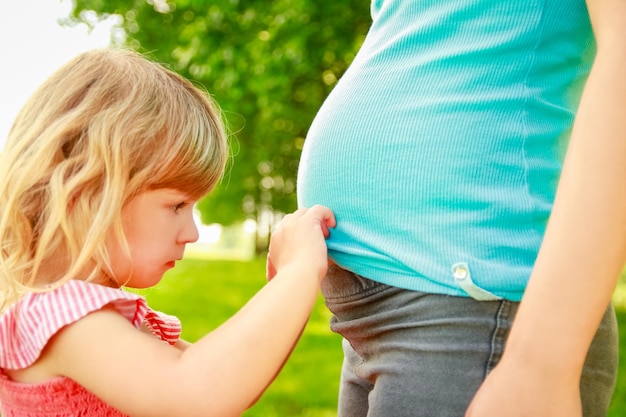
(583, 252)
(182, 344)
(222, 373)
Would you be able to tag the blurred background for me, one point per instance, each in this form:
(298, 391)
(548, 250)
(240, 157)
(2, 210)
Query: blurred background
(269, 65)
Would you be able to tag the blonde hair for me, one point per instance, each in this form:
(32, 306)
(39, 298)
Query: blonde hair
(107, 125)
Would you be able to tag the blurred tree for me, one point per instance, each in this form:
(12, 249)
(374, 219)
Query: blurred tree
(269, 64)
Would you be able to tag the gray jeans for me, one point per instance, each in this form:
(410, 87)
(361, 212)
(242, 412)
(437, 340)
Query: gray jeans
(408, 353)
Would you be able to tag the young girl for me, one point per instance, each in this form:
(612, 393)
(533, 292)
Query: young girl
(98, 180)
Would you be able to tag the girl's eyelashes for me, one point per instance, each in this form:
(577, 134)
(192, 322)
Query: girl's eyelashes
(179, 206)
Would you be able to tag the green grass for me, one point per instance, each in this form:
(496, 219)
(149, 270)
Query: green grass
(618, 406)
(204, 293)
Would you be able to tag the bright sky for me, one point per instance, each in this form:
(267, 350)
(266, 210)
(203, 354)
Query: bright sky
(34, 45)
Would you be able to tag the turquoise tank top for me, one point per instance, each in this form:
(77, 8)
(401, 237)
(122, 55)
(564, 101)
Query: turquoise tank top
(440, 148)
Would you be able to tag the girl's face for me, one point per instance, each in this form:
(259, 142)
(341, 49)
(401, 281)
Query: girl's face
(158, 224)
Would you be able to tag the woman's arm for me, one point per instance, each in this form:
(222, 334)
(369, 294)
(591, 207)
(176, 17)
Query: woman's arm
(583, 252)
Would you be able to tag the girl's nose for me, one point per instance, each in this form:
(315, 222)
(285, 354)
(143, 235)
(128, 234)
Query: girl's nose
(190, 233)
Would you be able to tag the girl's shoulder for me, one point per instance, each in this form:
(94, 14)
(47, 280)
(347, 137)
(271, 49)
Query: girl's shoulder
(27, 326)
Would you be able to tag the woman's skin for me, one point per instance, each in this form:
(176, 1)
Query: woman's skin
(583, 252)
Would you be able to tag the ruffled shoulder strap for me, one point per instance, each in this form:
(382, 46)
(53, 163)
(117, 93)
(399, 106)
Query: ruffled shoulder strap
(163, 326)
(28, 325)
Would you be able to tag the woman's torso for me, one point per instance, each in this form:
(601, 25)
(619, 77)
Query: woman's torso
(442, 143)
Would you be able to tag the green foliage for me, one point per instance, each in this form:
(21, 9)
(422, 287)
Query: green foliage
(269, 64)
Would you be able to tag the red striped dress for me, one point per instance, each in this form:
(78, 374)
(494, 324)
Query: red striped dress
(26, 328)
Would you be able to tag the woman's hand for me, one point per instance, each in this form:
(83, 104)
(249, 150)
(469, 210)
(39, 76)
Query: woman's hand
(521, 390)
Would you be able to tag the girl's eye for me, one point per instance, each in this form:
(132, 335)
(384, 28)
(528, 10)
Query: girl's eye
(179, 206)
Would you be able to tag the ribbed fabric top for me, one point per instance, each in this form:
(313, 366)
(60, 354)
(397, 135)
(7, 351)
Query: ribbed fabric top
(458, 111)
(26, 328)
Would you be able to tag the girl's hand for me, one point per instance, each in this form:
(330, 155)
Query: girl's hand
(299, 239)
(517, 390)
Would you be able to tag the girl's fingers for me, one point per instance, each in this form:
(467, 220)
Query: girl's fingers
(270, 271)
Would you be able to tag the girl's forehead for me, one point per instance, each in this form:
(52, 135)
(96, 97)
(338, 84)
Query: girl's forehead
(167, 193)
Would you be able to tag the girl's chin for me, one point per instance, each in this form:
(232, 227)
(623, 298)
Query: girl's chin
(145, 282)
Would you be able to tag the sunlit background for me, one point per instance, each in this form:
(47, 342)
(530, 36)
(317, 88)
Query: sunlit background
(34, 44)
